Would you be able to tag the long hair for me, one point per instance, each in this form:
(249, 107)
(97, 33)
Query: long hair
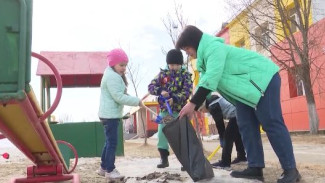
(124, 79)
(190, 37)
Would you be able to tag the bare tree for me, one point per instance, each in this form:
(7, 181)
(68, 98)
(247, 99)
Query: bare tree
(135, 78)
(285, 33)
(133, 75)
(174, 24)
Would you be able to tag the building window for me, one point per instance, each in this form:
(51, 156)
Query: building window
(293, 17)
(262, 34)
(296, 85)
(300, 87)
(265, 37)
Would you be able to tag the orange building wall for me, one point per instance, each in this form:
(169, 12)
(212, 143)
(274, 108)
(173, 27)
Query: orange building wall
(200, 117)
(151, 125)
(295, 111)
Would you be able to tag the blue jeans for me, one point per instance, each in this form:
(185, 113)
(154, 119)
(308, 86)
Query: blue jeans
(108, 154)
(268, 113)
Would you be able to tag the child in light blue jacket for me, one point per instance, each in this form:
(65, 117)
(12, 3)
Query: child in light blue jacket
(113, 97)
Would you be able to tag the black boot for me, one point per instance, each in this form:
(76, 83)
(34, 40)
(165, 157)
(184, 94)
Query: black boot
(249, 173)
(290, 176)
(164, 158)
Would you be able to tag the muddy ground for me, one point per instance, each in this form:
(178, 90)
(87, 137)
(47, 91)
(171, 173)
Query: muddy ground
(139, 163)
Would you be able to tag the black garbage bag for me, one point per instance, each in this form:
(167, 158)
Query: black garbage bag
(188, 149)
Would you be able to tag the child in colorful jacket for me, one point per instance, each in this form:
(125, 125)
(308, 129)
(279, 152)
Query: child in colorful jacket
(174, 84)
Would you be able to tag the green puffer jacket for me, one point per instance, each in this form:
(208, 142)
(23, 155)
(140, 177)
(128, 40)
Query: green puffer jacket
(237, 74)
(113, 97)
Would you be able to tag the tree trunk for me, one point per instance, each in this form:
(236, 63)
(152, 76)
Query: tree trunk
(312, 112)
(144, 127)
(313, 118)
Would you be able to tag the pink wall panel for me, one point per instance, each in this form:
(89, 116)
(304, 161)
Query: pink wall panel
(298, 104)
(320, 101)
(286, 107)
(300, 121)
(288, 121)
(285, 95)
(321, 115)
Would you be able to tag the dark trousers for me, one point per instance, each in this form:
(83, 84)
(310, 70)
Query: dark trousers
(232, 135)
(217, 116)
(108, 153)
(267, 113)
(228, 135)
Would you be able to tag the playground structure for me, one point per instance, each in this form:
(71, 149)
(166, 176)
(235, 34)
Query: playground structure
(22, 120)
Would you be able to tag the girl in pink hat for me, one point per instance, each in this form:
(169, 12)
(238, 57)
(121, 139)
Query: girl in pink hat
(113, 97)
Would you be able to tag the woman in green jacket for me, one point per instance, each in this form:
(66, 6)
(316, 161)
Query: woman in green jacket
(252, 83)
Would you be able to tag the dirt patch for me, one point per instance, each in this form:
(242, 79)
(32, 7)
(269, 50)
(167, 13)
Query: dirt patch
(310, 171)
(308, 138)
(139, 149)
(299, 138)
(139, 163)
(308, 150)
(163, 177)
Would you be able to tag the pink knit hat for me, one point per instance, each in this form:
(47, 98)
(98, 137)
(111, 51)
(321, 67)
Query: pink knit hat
(116, 56)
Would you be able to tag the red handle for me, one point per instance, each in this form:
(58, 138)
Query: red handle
(59, 85)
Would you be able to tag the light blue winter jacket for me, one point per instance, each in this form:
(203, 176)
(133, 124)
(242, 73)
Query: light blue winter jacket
(113, 97)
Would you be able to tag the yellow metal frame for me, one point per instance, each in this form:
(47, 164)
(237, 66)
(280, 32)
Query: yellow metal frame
(19, 123)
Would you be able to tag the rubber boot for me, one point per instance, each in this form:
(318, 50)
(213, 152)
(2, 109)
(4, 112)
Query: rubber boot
(164, 158)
